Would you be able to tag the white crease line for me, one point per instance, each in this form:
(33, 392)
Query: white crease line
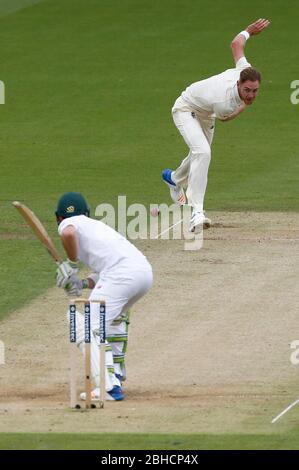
(284, 411)
(169, 228)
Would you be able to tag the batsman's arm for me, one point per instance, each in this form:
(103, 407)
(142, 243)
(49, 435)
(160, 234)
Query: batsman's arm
(70, 242)
(238, 43)
(89, 283)
(92, 279)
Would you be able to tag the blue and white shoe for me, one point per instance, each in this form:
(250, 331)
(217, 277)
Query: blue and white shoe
(116, 394)
(177, 193)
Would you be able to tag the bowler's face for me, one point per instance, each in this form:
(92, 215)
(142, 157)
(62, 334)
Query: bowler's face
(248, 91)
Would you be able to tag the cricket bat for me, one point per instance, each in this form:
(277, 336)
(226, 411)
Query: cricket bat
(38, 229)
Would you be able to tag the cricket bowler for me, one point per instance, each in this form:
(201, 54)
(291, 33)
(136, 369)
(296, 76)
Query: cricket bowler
(224, 97)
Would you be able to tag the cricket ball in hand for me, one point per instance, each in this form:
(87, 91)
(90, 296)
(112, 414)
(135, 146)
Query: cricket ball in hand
(155, 212)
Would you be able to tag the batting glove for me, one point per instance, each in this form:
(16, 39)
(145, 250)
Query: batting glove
(74, 286)
(65, 270)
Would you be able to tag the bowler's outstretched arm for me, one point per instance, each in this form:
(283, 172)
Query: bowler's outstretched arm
(238, 43)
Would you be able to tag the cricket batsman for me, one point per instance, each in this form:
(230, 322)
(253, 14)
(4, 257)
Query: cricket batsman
(224, 97)
(120, 275)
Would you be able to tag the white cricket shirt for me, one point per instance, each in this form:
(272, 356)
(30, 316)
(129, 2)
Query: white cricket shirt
(100, 247)
(217, 95)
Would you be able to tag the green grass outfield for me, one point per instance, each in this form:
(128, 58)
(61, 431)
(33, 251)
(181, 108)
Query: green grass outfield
(89, 87)
(118, 441)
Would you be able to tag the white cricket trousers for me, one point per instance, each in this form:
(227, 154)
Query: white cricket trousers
(121, 287)
(197, 131)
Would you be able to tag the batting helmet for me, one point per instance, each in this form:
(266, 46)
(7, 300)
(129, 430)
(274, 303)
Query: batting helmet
(71, 204)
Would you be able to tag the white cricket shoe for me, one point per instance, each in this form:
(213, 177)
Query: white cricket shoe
(199, 221)
(177, 193)
(116, 394)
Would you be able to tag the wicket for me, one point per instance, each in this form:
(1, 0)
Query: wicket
(87, 340)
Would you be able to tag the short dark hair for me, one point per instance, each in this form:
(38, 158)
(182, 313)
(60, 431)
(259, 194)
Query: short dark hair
(250, 74)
